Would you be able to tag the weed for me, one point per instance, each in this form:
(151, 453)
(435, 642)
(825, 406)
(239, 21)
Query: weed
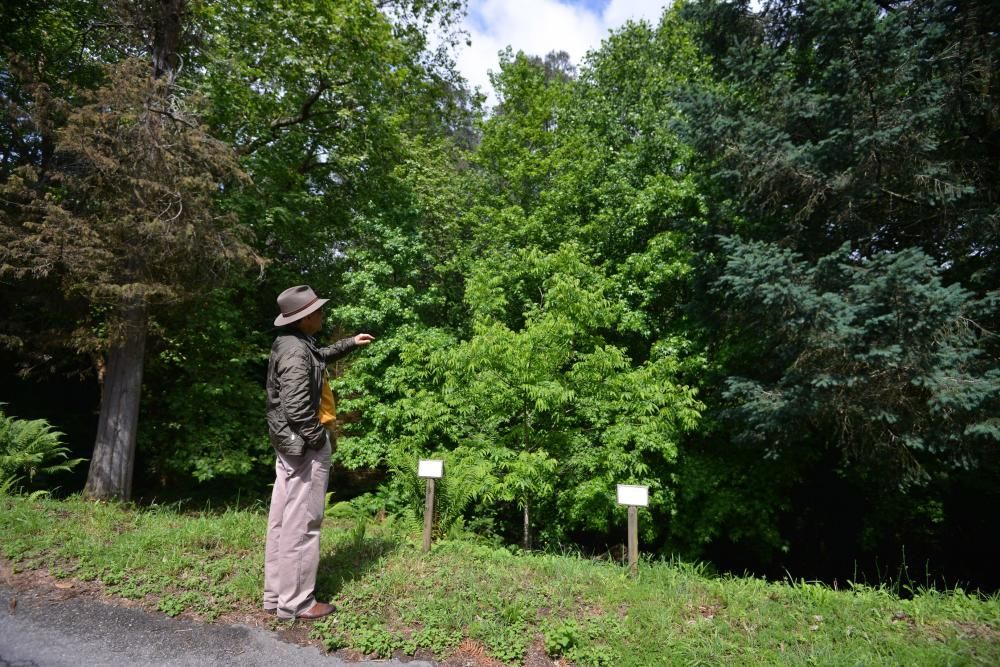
(358, 532)
(505, 642)
(560, 639)
(593, 656)
(173, 605)
(436, 639)
(375, 641)
(334, 640)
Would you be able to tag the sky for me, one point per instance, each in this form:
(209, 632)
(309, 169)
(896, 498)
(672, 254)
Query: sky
(540, 26)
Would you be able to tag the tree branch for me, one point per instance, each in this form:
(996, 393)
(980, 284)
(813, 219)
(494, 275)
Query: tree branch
(305, 113)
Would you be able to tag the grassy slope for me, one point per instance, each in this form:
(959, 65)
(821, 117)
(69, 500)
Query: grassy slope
(391, 597)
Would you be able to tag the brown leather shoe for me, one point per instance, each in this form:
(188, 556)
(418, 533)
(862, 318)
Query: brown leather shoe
(318, 610)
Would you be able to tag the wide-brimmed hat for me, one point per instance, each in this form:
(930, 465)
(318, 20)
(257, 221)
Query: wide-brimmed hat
(297, 302)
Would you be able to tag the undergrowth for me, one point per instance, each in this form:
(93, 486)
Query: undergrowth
(392, 598)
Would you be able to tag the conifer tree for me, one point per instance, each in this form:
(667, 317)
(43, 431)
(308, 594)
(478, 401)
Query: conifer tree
(126, 216)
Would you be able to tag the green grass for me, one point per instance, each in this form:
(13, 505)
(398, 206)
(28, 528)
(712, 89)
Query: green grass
(391, 597)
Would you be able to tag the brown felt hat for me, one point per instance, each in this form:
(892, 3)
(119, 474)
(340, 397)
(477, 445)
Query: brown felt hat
(297, 302)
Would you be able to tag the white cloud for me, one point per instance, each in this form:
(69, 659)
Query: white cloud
(540, 26)
(619, 11)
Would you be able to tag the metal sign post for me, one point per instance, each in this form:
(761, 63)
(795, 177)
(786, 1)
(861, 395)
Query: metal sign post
(634, 497)
(431, 469)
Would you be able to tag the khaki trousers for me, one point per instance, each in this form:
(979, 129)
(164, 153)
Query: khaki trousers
(291, 555)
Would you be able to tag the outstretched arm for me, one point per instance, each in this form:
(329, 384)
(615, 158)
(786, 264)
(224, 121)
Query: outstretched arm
(343, 346)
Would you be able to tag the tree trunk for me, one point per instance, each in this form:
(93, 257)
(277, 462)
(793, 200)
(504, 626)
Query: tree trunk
(166, 38)
(113, 462)
(527, 527)
(111, 466)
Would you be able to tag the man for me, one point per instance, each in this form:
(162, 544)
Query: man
(300, 416)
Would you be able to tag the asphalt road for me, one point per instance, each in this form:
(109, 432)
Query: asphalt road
(80, 632)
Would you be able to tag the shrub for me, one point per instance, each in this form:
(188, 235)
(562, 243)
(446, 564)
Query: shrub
(30, 450)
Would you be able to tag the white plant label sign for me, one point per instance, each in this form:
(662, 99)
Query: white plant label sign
(430, 468)
(629, 494)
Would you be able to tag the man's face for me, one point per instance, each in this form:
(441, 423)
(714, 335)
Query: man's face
(312, 323)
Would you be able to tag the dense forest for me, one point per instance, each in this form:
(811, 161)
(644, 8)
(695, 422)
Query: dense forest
(748, 256)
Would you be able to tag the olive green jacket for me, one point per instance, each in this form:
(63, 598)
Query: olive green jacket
(295, 375)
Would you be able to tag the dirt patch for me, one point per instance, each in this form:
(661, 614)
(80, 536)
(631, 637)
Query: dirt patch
(55, 589)
(294, 632)
(707, 610)
(942, 631)
(537, 657)
(975, 631)
(421, 654)
(903, 617)
(471, 653)
(588, 609)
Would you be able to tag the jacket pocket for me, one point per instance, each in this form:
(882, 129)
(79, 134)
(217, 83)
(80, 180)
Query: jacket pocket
(293, 446)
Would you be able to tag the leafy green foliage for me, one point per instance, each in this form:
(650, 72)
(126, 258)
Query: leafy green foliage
(469, 480)
(203, 396)
(560, 374)
(548, 410)
(560, 639)
(31, 452)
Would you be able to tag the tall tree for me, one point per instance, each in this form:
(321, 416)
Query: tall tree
(562, 377)
(871, 124)
(318, 100)
(127, 216)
